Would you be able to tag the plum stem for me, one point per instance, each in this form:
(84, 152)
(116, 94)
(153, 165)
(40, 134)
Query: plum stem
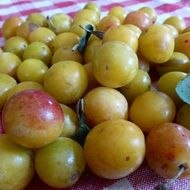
(98, 34)
(166, 185)
(81, 134)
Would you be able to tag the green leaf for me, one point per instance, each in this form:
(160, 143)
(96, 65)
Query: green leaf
(83, 41)
(183, 89)
(81, 134)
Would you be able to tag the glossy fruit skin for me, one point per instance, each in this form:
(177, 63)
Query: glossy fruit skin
(66, 54)
(102, 104)
(87, 14)
(22, 86)
(177, 22)
(26, 28)
(38, 50)
(6, 83)
(157, 44)
(16, 165)
(172, 29)
(182, 116)
(64, 40)
(9, 63)
(182, 43)
(71, 123)
(118, 12)
(123, 34)
(177, 62)
(108, 22)
(138, 18)
(16, 45)
(42, 34)
(151, 13)
(156, 104)
(140, 84)
(114, 64)
(37, 18)
(59, 23)
(32, 70)
(167, 84)
(61, 163)
(66, 81)
(94, 7)
(167, 147)
(32, 118)
(90, 49)
(10, 26)
(114, 149)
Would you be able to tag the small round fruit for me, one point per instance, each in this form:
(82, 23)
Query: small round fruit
(32, 70)
(32, 118)
(167, 148)
(87, 14)
(26, 28)
(172, 29)
(16, 165)
(9, 63)
(6, 83)
(182, 116)
(118, 12)
(65, 40)
(22, 86)
(182, 43)
(167, 84)
(123, 34)
(138, 18)
(66, 81)
(42, 34)
(135, 29)
(150, 12)
(177, 22)
(59, 23)
(140, 84)
(61, 163)
(38, 50)
(10, 26)
(16, 45)
(114, 149)
(37, 18)
(66, 54)
(150, 109)
(177, 62)
(115, 64)
(94, 7)
(70, 121)
(103, 103)
(157, 44)
(108, 22)
(90, 49)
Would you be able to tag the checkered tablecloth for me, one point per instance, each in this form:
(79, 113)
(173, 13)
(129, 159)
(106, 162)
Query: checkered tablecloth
(143, 178)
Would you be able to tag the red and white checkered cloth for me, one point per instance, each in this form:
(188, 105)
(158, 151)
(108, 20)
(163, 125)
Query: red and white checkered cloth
(143, 178)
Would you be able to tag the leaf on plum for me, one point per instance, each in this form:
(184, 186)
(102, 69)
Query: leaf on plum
(183, 89)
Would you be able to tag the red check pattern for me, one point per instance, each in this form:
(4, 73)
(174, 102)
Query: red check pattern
(143, 178)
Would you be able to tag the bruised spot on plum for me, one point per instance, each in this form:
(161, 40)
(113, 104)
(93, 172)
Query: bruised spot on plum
(186, 41)
(74, 176)
(127, 158)
(107, 67)
(169, 156)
